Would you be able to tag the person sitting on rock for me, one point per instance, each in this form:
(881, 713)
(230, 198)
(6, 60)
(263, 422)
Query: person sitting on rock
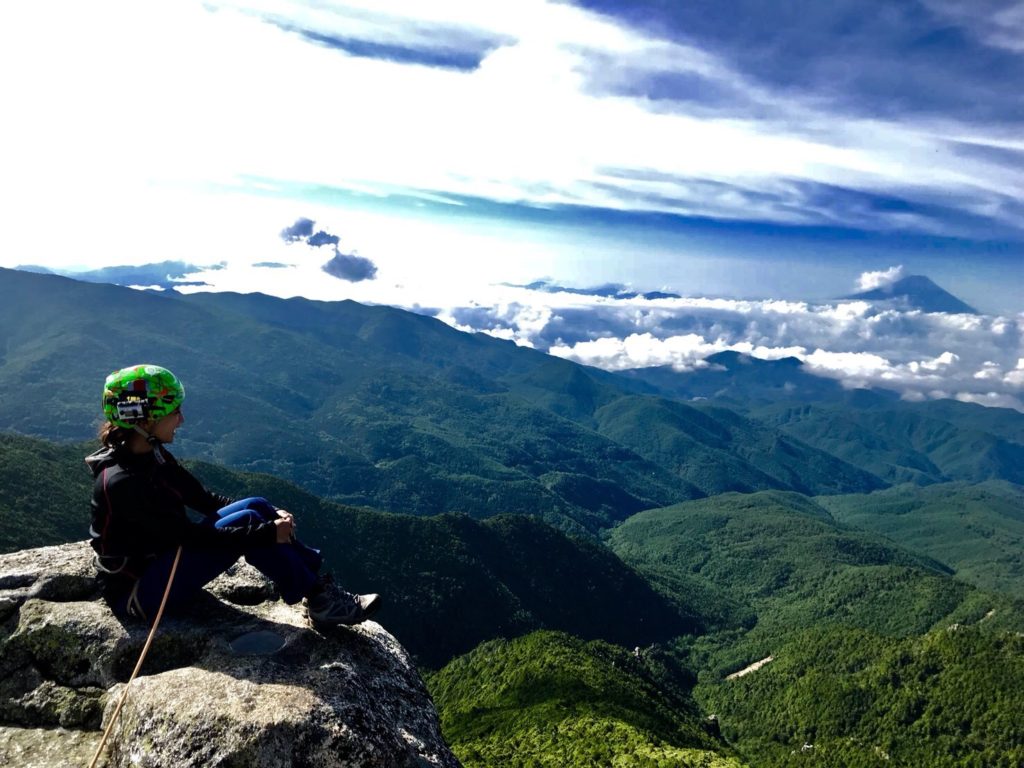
(139, 518)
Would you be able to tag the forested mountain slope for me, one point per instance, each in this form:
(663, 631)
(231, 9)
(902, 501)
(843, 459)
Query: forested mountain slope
(549, 699)
(45, 490)
(843, 698)
(782, 564)
(832, 637)
(978, 530)
(719, 450)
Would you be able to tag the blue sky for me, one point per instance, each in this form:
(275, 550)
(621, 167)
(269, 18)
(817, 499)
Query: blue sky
(734, 149)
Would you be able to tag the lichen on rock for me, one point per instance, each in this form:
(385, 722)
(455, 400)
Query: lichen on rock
(241, 680)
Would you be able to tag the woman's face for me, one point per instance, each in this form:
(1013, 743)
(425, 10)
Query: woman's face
(165, 427)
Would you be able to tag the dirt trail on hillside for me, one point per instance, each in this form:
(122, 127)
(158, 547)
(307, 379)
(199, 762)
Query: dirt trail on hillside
(752, 668)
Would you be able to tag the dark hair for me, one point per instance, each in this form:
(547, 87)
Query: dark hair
(112, 435)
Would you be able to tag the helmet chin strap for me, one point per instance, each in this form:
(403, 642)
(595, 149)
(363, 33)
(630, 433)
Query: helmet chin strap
(154, 442)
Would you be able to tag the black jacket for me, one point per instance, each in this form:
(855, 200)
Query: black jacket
(138, 511)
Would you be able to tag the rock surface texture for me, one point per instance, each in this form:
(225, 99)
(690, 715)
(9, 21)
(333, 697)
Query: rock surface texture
(241, 680)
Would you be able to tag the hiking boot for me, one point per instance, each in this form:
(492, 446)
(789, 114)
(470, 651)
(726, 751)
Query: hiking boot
(334, 607)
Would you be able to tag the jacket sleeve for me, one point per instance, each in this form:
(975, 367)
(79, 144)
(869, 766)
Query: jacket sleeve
(194, 493)
(144, 520)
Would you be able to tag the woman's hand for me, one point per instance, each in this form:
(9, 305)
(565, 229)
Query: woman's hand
(285, 525)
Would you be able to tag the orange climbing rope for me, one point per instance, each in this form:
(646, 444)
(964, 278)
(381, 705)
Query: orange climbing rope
(138, 664)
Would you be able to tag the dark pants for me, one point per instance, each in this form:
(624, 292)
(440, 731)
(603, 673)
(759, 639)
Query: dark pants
(292, 567)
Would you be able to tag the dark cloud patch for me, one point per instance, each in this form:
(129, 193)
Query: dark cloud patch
(350, 267)
(464, 61)
(343, 266)
(443, 47)
(322, 238)
(302, 228)
(686, 87)
(660, 295)
(608, 290)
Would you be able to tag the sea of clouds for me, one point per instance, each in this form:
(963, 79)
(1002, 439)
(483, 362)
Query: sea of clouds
(922, 355)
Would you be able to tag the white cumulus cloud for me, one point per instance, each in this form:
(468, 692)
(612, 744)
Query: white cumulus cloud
(869, 281)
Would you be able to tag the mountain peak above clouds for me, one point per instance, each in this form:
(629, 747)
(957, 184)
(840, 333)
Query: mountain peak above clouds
(916, 292)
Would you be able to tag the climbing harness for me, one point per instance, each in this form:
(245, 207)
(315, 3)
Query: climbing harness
(138, 664)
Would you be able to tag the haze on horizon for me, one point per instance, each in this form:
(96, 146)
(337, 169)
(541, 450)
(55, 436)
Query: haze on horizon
(448, 155)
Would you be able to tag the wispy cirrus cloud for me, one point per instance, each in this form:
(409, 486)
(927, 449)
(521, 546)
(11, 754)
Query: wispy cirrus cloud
(559, 105)
(995, 23)
(868, 58)
(734, 126)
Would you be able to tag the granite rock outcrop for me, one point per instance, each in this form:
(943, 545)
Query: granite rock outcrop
(240, 679)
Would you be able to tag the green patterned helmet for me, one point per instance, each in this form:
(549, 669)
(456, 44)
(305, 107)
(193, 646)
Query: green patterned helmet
(138, 393)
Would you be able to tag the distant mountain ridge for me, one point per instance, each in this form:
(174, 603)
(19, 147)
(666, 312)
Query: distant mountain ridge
(163, 275)
(916, 292)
